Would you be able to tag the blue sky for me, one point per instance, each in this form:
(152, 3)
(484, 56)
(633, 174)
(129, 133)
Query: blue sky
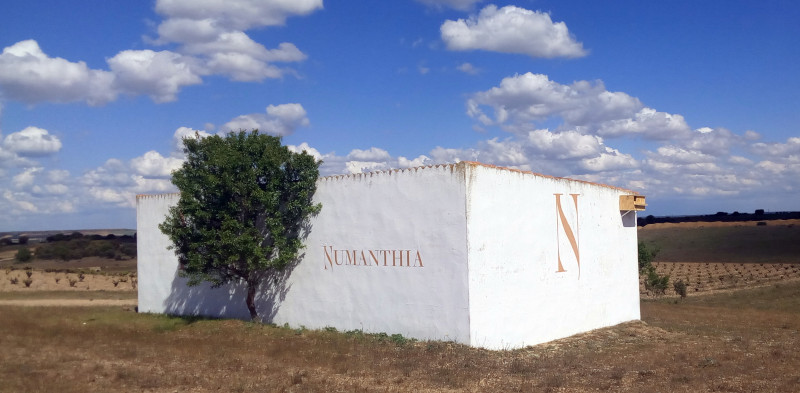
(694, 104)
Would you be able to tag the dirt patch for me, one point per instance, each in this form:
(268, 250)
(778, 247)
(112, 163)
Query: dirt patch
(14, 279)
(68, 302)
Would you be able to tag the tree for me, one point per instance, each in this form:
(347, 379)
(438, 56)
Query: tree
(245, 200)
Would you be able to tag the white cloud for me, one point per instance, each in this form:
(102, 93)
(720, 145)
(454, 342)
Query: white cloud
(715, 141)
(462, 5)
(26, 178)
(188, 31)
(32, 142)
(365, 166)
(565, 145)
(512, 30)
(185, 132)
(27, 74)
(238, 14)
(791, 147)
(235, 54)
(158, 74)
(648, 123)
(57, 175)
(117, 184)
(404, 162)
(371, 154)
(304, 147)
(678, 155)
(610, 160)
(534, 97)
(213, 32)
(18, 203)
(280, 120)
(211, 41)
(153, 164)
(468, 68)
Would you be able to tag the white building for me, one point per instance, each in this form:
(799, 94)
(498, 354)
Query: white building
(481, 255)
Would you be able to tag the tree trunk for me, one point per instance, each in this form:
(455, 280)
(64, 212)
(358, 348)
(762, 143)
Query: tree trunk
(251, 300)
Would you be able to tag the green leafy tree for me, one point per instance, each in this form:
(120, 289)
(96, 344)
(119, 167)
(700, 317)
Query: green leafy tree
(245, 200)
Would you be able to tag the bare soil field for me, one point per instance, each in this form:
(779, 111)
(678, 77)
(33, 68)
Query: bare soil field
(777, 241)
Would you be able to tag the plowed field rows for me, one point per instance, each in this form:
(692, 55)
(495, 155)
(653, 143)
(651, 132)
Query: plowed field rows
(704, 277)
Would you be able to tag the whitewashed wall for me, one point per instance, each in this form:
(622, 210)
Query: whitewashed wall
(413, 216)
(517, 294)
(479, 246)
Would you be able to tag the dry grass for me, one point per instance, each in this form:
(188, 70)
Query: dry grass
(739, 341)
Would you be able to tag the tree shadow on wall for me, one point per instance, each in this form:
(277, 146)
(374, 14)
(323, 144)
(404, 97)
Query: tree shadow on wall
(228, 301)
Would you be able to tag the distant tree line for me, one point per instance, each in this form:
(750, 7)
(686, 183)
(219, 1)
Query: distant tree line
(76, 246)
(758, 215)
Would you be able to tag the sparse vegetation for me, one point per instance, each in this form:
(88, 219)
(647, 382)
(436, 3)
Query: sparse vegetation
(680, 288)
(654, 282)
(28, 281)
(23, 255)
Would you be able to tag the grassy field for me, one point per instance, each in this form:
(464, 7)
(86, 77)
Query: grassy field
(735, 342)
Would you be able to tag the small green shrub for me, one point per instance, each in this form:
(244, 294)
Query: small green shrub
(655, 282)
(680, 287)
(28, 281)
(14, 280)
(23, 255)
(652, 280)
(646, 256)
(399, 339)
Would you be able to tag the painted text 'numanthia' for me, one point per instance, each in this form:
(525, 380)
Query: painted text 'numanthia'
(375, 258)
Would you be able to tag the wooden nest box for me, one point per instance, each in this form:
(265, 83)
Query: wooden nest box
(632, 202)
